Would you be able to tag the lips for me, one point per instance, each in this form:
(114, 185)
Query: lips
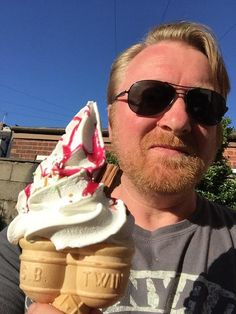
(157, 139)
(182, 149)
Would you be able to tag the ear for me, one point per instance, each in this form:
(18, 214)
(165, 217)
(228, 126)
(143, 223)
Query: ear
(109, 122)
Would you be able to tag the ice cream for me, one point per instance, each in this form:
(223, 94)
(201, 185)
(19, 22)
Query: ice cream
(64, 203)
(76, 242)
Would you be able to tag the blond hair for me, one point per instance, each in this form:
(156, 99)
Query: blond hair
(197, 35)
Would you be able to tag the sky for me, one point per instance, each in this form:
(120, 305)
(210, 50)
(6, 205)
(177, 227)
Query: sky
(55, 55)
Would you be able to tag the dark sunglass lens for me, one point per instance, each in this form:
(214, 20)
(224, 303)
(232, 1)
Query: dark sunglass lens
(205, 106)
(150, 97)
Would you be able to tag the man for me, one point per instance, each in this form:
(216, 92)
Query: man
(166, 99)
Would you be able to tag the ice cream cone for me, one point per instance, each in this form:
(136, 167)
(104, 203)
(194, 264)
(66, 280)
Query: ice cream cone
(74, 280)
(96, 276)
(102, 273)
(42, 270)
(70, 304)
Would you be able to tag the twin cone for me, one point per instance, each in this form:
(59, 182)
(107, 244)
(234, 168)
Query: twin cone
(74, 280)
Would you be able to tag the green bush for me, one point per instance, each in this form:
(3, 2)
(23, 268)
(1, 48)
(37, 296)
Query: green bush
(111, 158)
(219, 183)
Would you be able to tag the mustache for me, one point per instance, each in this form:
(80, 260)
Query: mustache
(185, 144)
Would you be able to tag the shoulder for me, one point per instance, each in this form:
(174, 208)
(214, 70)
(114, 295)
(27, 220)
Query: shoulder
(9, 251)
(216, 215)
(9, 277)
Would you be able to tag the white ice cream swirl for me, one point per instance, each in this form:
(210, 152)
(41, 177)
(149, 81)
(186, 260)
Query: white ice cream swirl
(64, 203)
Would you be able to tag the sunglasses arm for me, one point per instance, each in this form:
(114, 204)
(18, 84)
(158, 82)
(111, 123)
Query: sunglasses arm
(119, 95)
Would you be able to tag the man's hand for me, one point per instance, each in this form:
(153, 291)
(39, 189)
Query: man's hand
(38, 308)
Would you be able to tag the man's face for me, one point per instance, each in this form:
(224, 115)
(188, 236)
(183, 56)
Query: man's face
(168, 152)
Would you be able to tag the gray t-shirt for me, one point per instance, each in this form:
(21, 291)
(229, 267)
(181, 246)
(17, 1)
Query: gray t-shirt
(188, 267)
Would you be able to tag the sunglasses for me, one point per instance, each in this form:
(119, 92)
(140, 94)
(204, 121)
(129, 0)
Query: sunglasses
(151, 97)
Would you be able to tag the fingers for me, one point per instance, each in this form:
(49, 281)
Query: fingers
(39, 308)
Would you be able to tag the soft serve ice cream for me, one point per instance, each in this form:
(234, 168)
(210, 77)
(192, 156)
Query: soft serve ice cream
(64, 204)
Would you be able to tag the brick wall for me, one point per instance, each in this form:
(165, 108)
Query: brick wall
(29, 143)
(29, 149)
(230, 151)
(230, 154)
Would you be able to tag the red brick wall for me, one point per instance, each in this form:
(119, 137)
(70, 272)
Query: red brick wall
(230, 154)
(28, 149)
(27, 146)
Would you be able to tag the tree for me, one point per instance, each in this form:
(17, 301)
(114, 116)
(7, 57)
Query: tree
(219, 184)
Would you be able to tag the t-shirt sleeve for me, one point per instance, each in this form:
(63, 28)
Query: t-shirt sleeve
(11, 297)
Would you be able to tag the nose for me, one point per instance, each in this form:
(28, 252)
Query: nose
(176, 119)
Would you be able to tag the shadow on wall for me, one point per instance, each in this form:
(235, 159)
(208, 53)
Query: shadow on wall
(2, 224)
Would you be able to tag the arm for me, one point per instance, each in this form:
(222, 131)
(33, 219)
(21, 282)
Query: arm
(11, 297)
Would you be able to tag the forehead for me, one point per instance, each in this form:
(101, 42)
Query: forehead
(171, 61)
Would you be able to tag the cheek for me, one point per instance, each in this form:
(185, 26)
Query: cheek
(207, 142)
(125, 133)
(127, 127)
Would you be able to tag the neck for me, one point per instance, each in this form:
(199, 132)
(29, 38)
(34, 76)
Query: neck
(155, 210)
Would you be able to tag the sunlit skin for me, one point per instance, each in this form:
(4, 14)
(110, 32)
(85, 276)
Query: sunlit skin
(137, 138)
(37, 308)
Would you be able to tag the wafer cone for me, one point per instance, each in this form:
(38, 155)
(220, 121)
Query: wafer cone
(42, 270)
(74, 280)
(102, 272)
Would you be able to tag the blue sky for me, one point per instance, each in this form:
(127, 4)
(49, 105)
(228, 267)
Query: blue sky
(55, 55)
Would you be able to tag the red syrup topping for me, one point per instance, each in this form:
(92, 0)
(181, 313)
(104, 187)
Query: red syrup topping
(90, 188)
(97, 156)
(68, 172)
(27, 191)
(67, 151)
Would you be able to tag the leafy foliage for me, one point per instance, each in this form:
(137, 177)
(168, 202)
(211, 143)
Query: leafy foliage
(111, 158)
(219, 184)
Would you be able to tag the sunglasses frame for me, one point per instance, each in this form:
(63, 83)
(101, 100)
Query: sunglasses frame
(186, 91)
